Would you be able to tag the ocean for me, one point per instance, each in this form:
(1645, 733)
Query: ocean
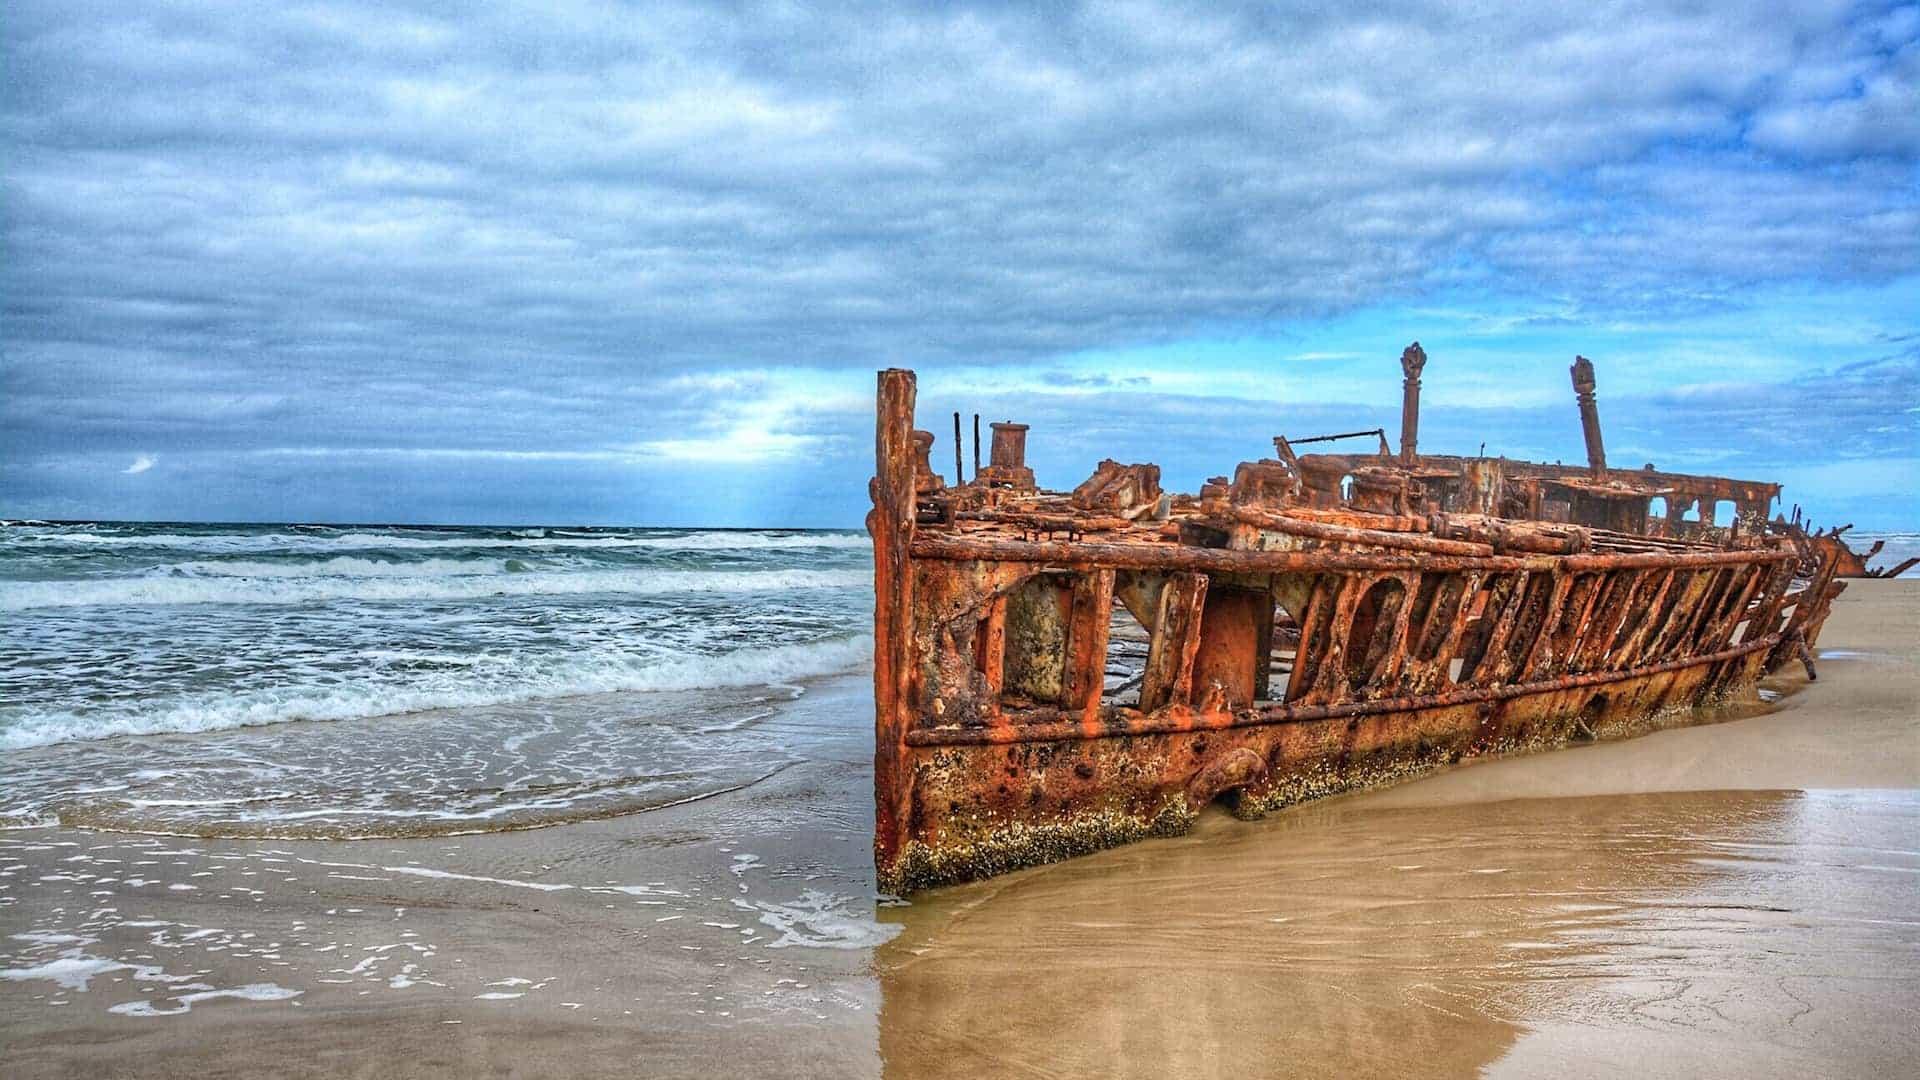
(357, 681)
(316, 681)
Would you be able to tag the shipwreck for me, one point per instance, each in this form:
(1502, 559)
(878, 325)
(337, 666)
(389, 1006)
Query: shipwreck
(1060, 672)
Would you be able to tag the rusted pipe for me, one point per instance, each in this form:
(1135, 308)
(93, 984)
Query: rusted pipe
(1167, 556)
(1362, 519)
(1029, 519)
(1411, 361)
(959, 463)
(1120, 722)
(1506, 536)
(1398, 541)
(1380, 433)
(1583, 386)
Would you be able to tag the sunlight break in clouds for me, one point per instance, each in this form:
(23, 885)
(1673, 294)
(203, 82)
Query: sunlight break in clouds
(509, 229)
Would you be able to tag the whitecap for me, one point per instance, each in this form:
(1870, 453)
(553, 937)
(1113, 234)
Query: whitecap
(343, 566)
(507, 681)
(693, 541)
(171, 589)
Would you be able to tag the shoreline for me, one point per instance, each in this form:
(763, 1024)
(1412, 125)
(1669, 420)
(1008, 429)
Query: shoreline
(739, 933)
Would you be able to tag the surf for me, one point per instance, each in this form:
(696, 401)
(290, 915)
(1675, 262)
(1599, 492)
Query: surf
(294, 586)
(474, 684)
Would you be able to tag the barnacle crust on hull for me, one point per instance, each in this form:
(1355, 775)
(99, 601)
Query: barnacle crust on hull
(1057, 672)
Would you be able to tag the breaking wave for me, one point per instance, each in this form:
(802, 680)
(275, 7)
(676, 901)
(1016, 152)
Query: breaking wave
(349, 566)
(1899, 548)
(296, 584)
(482, 682)
(522, 539)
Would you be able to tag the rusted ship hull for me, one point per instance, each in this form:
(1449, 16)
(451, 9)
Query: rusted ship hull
(1282, 652)
(1051, 799)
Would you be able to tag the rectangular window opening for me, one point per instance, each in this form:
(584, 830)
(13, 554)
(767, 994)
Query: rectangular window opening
(1127, 645)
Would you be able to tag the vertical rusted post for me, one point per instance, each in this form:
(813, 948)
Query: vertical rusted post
(1583, 386)
(959, 463)
(1329, 677)
(1385, 676)
(1411, 361)
(976, 446)
(1540, 654)
(891, 524)
(1168, 677)
(1086, 674)
(990, 650)
(1310, 655)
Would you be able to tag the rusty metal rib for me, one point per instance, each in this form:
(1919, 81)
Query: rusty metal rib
(1116, 725)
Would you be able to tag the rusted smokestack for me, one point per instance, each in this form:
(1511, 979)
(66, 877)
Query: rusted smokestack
(1009, 445)
(1589, 415)
(1411, 361)
(1007, 468)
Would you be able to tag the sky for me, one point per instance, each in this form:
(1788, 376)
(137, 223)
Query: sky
(604, 263)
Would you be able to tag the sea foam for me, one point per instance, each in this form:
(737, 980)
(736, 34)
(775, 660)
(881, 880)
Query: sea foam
(320, 542)
(494, 681)
(172, 589)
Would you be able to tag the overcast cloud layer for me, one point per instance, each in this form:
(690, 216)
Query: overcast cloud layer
(567, 262)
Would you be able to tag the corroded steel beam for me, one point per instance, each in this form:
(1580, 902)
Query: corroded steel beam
(1160, 556)
(1282, 523)
(1130, 722)
(891, 524)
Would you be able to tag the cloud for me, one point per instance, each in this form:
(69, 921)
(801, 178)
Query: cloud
(140, 464)
(562, 227)
(1868, 102)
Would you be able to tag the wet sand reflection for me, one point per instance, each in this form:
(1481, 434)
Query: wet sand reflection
(1564, 934)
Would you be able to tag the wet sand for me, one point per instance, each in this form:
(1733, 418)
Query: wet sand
(1734, 900)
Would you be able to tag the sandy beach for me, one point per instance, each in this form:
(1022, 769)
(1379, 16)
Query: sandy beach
(610, 539)
(1735, 899)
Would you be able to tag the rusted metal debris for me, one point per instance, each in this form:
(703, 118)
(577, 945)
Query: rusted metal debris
(1056, 673)
(1817, 544)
